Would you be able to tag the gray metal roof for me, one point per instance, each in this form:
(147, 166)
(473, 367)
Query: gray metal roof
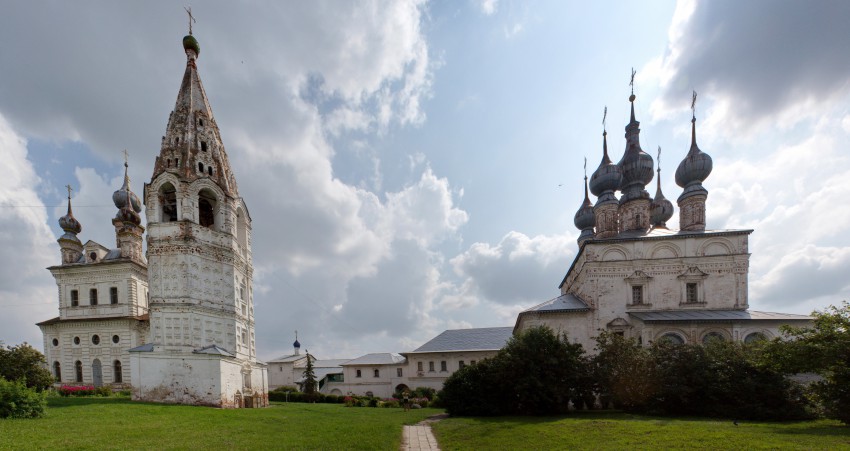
(147, 347)
(288, 358)
(715, 315)
(330, 363)
(213, 350)
(483, 338)
(380, 358)
(563, 303)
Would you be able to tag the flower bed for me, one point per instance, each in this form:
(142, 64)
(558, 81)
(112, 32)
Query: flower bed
(77, 390)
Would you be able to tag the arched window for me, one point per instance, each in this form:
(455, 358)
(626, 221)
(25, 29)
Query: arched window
(206, 208)
(203, 146)
(57, 371)
(754, 337)
(209, 170)
(200, 167)
(78, 371)
(377, 373)
(712, 336)
(116, 372)
(672, 338)
(168, 200)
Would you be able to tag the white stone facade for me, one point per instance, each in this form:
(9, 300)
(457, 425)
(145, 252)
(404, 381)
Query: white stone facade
(203, 347)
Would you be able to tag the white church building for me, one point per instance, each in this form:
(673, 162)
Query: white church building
(636, 277)
(176, 324)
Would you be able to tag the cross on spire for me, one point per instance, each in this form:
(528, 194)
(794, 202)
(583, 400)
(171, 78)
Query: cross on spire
(68, 187)
(632, 81)
(659, 160)
(694, 105)
(191, 19)
(604, 118)
(126, 157)
(585, 168)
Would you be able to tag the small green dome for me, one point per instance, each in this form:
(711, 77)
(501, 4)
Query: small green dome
(189, 42)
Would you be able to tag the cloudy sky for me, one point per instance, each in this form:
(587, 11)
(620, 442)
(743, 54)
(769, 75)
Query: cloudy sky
(415, 166)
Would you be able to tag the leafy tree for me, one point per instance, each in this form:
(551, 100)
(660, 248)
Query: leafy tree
(23, 362)
(823, 348)
(623, 371)
(536, 373)
(309, 374)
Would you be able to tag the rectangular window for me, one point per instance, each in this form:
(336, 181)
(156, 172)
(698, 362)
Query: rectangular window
(443, 366)
(75, 298)
(691, 292)
(460, 365)
(398, 372)
(637, 294)
(93, 296)
(419, 366)
(472, 362)
(431, 366)
(358, 373)
(113, 295)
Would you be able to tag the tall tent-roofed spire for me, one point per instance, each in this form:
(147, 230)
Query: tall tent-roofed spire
(690, 174)
(192, 147)
(585, 219)
(661, 209)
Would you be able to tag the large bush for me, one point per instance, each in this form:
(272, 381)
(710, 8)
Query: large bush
(23, 362)
(536, 373)
(823, 348)
(19, 401)
(720, 379)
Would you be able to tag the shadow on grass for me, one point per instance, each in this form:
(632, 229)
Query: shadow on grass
(84, 401)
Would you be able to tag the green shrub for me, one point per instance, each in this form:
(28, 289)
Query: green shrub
(284, 389)
(18, 401)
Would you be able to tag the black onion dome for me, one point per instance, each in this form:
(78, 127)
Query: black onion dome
(608, 175)
(696, 166)
(126, 198)
(661, 209)
(296, 344)
(637, 165)
(127, 202)
(585, 218)
(69, 223)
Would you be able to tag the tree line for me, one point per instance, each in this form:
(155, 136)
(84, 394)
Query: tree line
(541, 373)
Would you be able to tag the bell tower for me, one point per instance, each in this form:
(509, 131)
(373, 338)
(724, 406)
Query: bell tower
(199, 263)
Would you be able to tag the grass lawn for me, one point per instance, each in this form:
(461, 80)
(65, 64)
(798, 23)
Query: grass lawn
(609, 430)
(116, 423)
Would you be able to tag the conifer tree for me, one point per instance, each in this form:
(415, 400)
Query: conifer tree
(310, 383)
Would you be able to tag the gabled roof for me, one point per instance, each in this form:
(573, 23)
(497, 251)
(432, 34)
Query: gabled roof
(479, 339)
(379, 358)
(714, 316)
